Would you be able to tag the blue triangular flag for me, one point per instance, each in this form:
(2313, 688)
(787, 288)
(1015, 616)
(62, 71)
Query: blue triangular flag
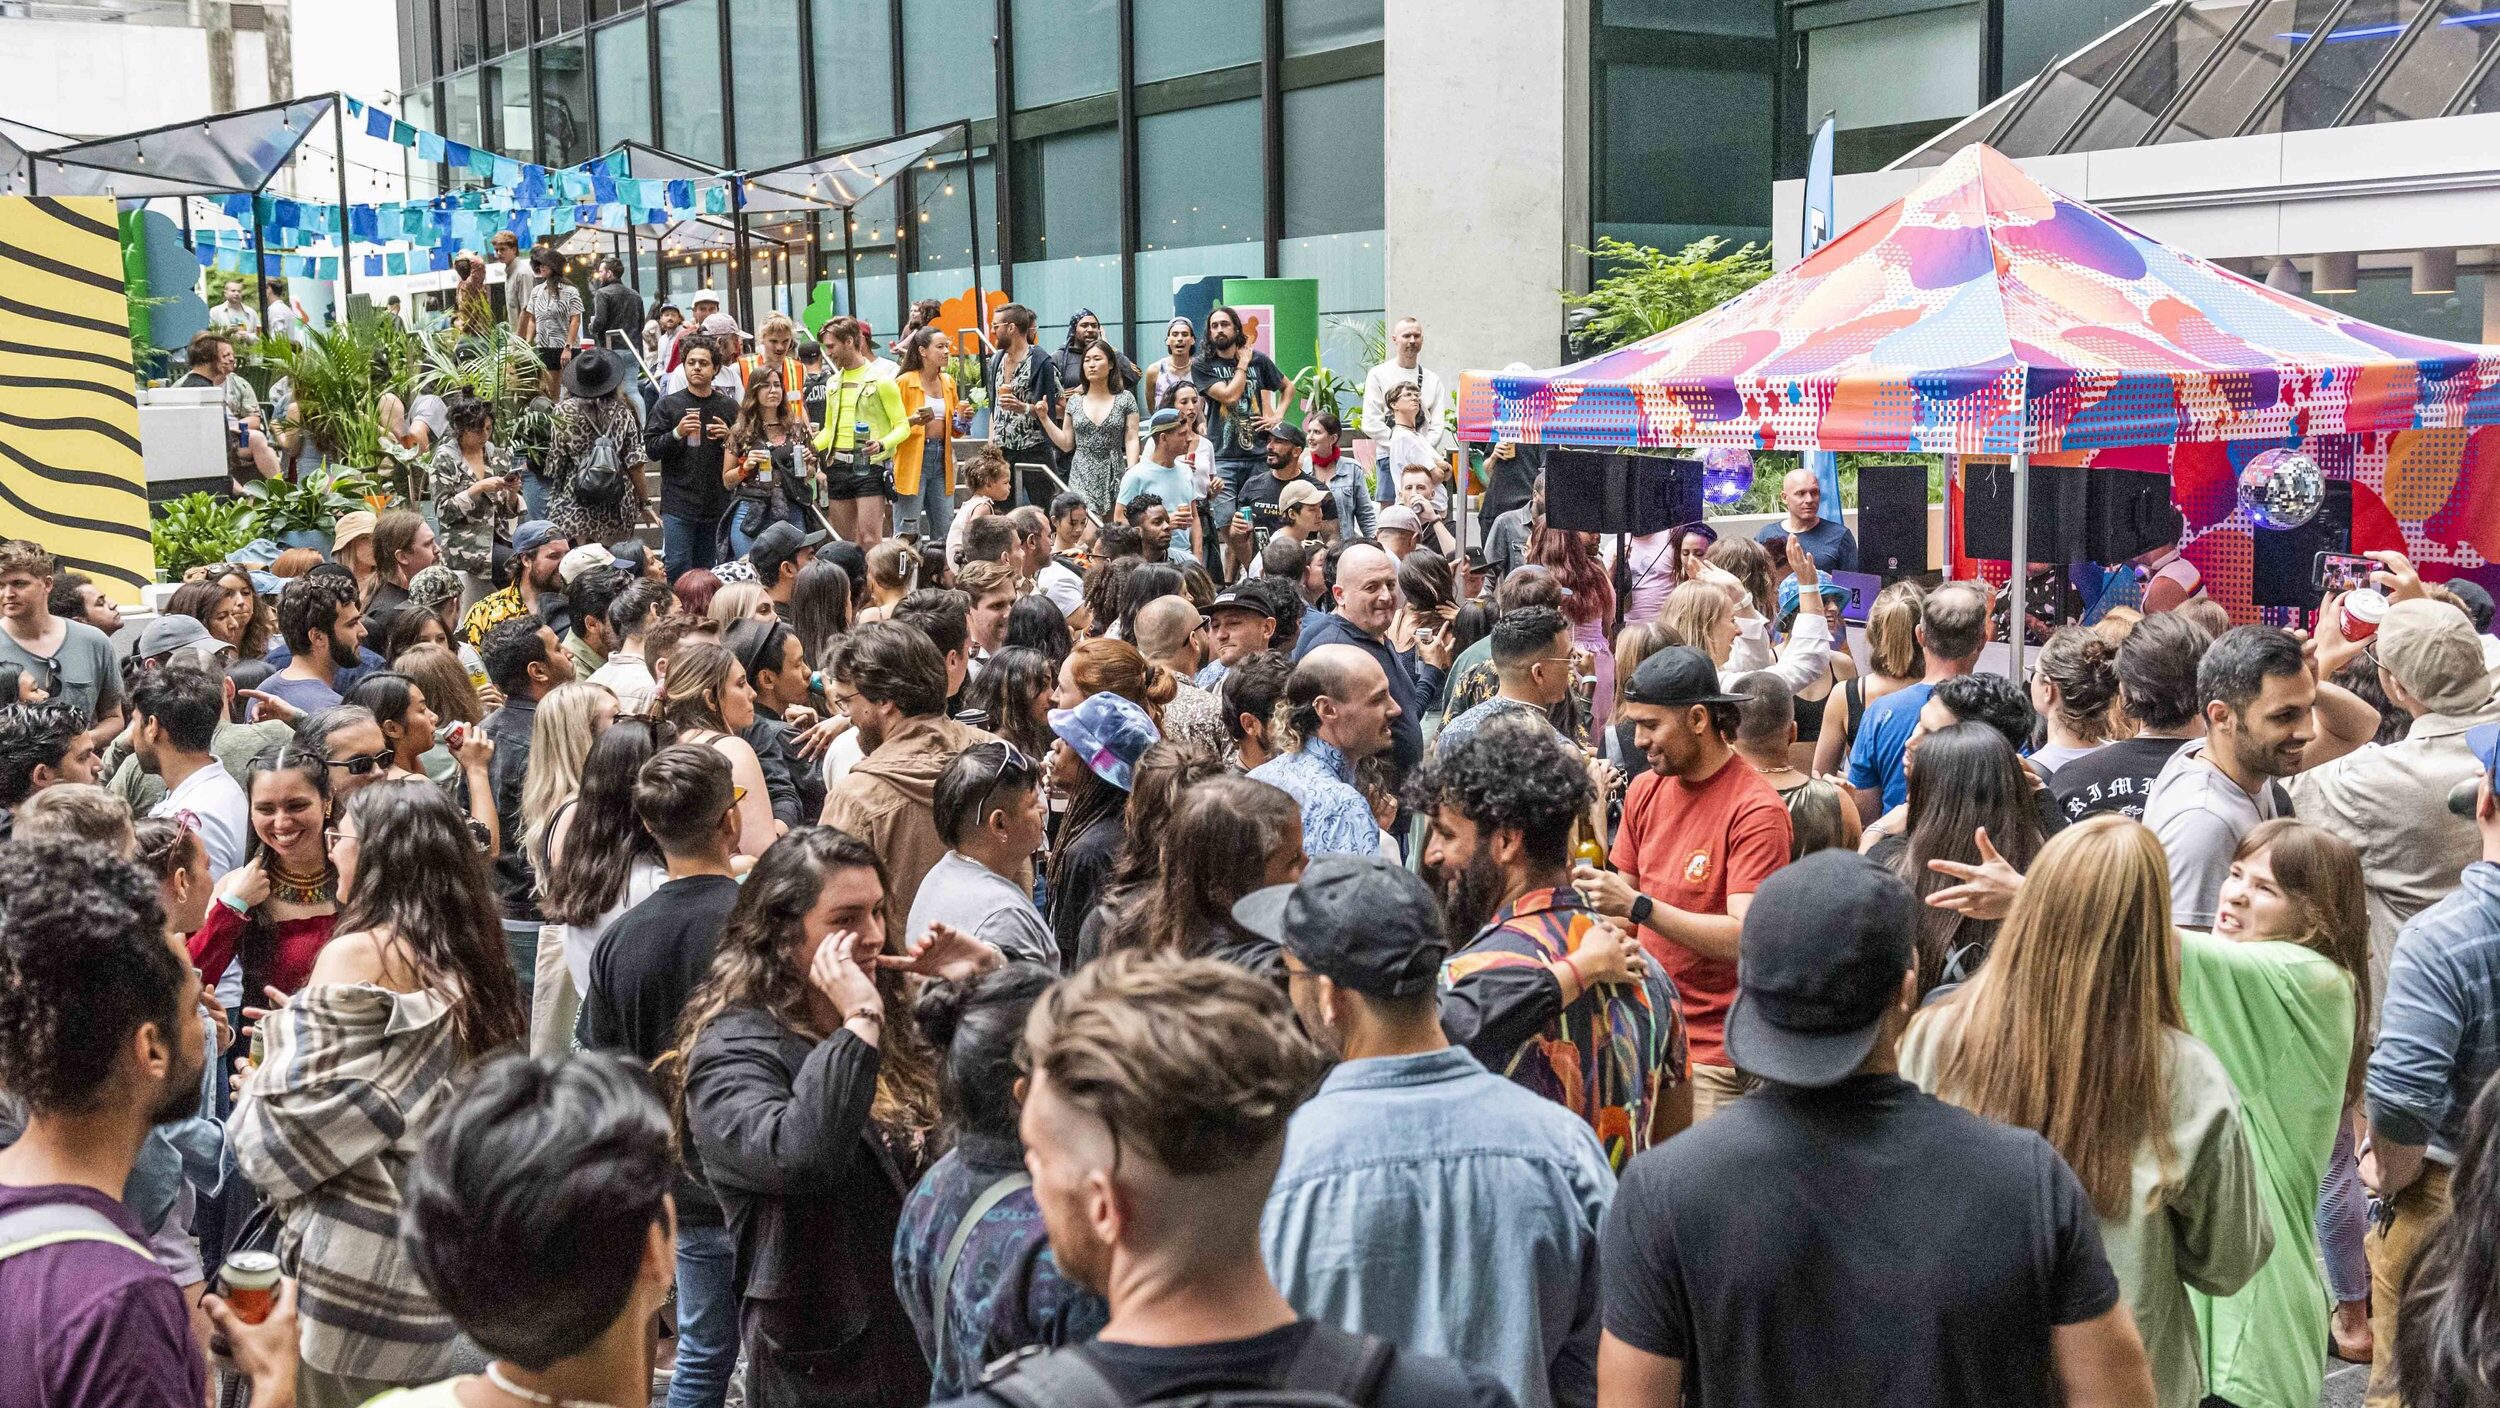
(373, 266)
(680, 195)
(404, 134)
(429, 146)
(456, 153)
(377, 123)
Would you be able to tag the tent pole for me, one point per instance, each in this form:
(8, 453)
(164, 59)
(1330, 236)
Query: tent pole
(850, 266)
(972, 216)
(2016, 635)
(260, 266)
(347, 250)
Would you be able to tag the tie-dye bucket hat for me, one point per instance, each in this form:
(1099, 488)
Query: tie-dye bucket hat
(1110, 733)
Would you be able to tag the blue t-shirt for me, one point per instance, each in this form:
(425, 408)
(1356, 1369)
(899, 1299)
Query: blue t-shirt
(1829, 542)
(1875, 759)
(1171, 484)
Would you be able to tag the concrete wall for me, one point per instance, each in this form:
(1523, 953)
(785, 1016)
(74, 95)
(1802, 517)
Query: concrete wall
(1487, 137)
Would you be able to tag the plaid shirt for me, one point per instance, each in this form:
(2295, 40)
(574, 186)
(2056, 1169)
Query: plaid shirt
(325, 1129)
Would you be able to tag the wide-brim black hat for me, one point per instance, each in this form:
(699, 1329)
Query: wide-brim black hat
(593, 374)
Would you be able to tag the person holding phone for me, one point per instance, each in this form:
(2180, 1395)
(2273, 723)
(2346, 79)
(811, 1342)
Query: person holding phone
(689, 436)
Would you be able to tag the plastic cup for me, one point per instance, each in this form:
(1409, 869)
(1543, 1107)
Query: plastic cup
(2360, 612)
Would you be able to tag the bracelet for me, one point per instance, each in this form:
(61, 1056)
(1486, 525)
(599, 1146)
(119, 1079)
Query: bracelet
(863, 1015)
(1572, 962)
(235, 904)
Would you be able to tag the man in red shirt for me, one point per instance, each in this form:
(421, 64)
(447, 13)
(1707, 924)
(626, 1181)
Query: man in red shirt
(1701, 832)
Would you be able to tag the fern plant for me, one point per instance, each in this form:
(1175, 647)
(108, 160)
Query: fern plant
(1645, 291)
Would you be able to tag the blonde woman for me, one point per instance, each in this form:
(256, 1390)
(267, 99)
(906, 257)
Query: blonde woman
(2073, 1029)
(1635, 643)
(739, 601)
(1705, 615)
(1893, 661)
(706, 696)
(570, 719)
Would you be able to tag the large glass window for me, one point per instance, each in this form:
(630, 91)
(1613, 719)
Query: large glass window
(1175, 37)
(1066, 49)
(465, 22)
(2175, 57)
(1892, 83)
(2069, 91)
(2244, 72)
(2344, 59)
(624, 57)
(564, 116)
(690, 96)
(560, 16)
(1685, 151)
(1066, 224)
(516, 25)
(424, 177)
(461, 122)
(416, 52)
(508, 99)
(948, 72)
(854, 71)
(764, 79)
(605, 9)
(941, 202)
(1201, 201)
(875, 267)
(1334, 210)
(1317, 26)
(2430, 72)
(2036, 33)
(1749, 18)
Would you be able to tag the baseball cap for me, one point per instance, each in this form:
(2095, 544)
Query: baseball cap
(533, 535)
(1160, 421)
(167, 634)
(705, 295)
(1675, 677)
(582, 559)
(2431, 649)
(1397, 518)
(1288, 432)
(1819, 963)
(720, 325)
(779, 543)
(1299, 492)
(351, 526)
(1238, 600)
(1358, 921)
(433, 586)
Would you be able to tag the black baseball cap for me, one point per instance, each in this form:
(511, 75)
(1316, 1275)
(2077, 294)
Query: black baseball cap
(1239, 600)
(1358, 921)
(1819, 963)
(1675, 677)
(1288, 432)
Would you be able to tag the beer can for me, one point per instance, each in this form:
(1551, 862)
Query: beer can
(251, 1281)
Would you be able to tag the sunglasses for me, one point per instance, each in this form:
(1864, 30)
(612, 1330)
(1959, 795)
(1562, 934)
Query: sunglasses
(360, 764)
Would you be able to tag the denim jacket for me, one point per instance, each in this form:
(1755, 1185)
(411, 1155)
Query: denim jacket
(1400, 1174)
(2439, 1029)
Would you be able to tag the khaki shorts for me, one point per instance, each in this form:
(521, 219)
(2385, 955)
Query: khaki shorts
(1717, 1087)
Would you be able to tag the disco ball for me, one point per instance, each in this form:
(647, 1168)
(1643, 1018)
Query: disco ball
(1726, 475)
(2282, 489)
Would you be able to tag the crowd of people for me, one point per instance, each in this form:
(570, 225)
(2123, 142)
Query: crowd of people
(1210, 927)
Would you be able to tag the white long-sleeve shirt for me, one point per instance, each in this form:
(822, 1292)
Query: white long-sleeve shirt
(1798, 662)
(1376, 420)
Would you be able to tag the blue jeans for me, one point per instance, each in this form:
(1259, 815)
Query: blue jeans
(741, 541)
(533, 493)
(687, 543)
(928, 513)
(520, 940)
(707, 1318)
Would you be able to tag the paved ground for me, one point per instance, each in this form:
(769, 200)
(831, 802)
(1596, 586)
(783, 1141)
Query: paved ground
(2344, 1383)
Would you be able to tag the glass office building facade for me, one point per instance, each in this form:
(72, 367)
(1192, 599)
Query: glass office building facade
(1117, 145)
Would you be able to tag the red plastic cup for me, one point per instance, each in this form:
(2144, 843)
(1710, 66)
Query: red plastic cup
(2360, 612)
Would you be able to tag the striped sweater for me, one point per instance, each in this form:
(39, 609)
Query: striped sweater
(325, 1129)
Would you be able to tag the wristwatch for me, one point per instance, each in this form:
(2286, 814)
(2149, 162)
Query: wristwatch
(1641, 906)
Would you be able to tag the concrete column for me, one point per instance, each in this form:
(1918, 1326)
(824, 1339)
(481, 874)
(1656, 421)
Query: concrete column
(1487, 144)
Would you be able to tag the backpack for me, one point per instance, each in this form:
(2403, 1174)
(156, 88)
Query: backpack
(49, 1224)
(1335, 1369)
(599, 481)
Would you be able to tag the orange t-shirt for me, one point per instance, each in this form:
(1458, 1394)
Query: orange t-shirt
(1691, 846)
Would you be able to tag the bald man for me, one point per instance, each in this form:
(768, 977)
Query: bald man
(1364, 601)
(1828, 540)
(1341, 710)
(1171, 633)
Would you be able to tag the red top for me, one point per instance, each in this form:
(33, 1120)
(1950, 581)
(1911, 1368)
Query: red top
(299, 942)
(1691, 847)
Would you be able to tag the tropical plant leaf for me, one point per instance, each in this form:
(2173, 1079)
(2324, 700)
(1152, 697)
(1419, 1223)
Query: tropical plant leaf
(1644, 291)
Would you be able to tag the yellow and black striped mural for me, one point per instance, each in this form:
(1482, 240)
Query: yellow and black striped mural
(70, 476)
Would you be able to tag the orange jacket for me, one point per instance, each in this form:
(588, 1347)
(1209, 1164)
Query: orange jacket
(907, 454)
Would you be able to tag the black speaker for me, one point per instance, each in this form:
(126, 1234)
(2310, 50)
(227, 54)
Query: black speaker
(1601, 491)
(1892, 520)
(2279, 572)
(2077, 514)
(2058, 511)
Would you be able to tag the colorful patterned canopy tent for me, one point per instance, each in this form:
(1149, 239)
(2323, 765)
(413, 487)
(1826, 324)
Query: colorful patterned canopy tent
(1985, 314)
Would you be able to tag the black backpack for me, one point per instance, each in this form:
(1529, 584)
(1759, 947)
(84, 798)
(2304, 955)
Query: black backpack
(1335, 1369)
(599, 481)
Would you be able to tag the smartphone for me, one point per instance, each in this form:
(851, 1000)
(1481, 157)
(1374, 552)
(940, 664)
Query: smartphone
(2337, 572)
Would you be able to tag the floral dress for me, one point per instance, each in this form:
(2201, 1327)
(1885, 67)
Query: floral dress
(467, 524)
(579, 425)
(1101, 454)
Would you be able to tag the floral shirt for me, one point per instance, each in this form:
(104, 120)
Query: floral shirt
(468, 524)
(492, 610)
(1335, 818)
(1007, 1292)
(1609, 1057)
